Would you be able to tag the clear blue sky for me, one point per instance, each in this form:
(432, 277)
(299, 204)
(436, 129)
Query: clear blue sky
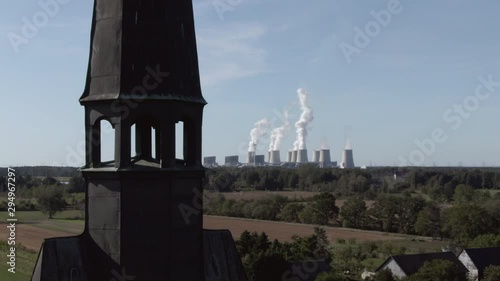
(256, 54)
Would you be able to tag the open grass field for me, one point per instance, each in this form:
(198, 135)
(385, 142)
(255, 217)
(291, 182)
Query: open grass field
(18, 276)
(284, 231)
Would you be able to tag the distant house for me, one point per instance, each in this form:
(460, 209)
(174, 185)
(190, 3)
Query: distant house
(476, 260)
(406, 265)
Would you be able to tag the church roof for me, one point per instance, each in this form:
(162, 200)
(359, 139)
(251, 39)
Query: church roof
(143, 52)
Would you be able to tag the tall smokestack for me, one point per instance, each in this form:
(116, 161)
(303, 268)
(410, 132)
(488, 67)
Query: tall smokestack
(302, 156)
(275, 157)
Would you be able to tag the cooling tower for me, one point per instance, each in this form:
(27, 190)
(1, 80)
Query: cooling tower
(274, 157)
(324, 156)
(294, 156)
(316, 156)
(289, 156)
(347, 159)
(302, 156)
(251, 157)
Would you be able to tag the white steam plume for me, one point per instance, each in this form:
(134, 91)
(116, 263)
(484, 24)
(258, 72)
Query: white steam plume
(324, 144)
(257, 132)
(347, 136)
(305, 119)
(277, 134)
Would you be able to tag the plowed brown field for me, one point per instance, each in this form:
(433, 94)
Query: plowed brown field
(32, 235)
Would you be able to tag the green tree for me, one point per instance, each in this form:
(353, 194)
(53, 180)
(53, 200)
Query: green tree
(76, 184)
(252, 178)
(290, 213)
(467, 221)
(268, 267)
(407, 213)
(324, 206)
(492, 273)
(331, 276)
(384, 211)
(268, 208)
(49, 181)
(353, 212)
(3, 184)
(322, 246)
(429, 221)
(252, 243)
(485, 241)
(222, 181)
(438, 270)
(51, 201)
(463, 194)
(309, 215)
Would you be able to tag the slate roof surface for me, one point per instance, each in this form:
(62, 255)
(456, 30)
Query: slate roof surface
(410, 264)
(484, 257)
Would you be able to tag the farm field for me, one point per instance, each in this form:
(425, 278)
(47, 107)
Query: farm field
(284, 231)
(34, 227)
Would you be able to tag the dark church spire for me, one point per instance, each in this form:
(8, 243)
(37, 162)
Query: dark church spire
(143, 49)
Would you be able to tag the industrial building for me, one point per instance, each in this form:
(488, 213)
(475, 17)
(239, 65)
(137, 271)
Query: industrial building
(233, 160)
(210, 161)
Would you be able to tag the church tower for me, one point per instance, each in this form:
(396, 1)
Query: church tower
(144, 217)
(143, 71)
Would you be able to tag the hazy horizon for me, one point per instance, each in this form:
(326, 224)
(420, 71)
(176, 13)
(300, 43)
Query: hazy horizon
(416, 82)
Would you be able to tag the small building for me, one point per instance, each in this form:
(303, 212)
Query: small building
(476, 260)
(405, 265)
(210, 161)
(260, 160)
(232, 161)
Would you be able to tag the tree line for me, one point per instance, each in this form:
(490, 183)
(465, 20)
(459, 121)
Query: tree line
(42, 171)
(439, 183)
(471, 219)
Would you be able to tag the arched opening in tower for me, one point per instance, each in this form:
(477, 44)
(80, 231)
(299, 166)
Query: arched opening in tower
(179, 141)
(107, 141)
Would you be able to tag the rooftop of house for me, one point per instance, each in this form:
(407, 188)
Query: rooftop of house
(484, 257)
(410, 264)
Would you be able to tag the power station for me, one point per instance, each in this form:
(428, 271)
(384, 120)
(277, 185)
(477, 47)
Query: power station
(320, 157)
